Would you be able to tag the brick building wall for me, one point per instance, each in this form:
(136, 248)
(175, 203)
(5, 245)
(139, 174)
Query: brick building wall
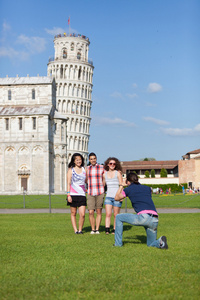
(188, 171)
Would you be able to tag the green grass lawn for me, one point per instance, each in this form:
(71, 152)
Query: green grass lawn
(41, 258)
(58, 201)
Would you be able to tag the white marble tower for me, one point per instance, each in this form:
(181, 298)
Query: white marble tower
(73, 73)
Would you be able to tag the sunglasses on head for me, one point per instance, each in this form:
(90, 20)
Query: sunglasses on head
(112, 164)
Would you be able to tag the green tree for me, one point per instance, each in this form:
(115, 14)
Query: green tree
(146, 174)
(153, 173)
(148, 159)
(163, 173)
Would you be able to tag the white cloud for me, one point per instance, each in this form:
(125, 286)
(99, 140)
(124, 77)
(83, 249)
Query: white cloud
(134, 85)
(6, 27)
(156, 121)
(5, 32)
(25, 46)
(32, 44)
(59, 30)
(117, 95)
(8, 51)
(13, 54)
(121, 96)
(55, 30)
(115, 121)
(132, 96)
(182, 132)
(154, 87)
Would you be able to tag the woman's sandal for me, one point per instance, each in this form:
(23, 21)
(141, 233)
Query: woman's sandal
(107, 230)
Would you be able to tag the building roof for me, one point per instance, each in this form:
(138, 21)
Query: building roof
(25, 80)
(59, 116)
(194, 152)
(25, 110)
(149, 165)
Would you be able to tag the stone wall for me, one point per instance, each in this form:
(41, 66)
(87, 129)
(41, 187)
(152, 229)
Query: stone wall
(187, 171)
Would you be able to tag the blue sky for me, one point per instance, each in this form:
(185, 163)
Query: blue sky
(146, 91)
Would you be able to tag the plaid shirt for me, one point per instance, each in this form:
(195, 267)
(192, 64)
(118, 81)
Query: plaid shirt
(95, 180)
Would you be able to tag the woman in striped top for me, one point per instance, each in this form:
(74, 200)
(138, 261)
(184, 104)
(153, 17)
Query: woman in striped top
(112, 178)
(76, 177)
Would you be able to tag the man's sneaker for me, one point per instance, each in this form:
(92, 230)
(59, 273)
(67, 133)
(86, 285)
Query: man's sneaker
(97, 232)
(76, 232)
(93, 232)
(80, 232)
(163, 242)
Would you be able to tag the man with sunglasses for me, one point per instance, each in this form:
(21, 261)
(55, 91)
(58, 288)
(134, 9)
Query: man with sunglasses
(95, 193)
(146, 214)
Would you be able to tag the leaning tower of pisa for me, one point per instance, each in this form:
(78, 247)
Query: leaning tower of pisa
(73, 73)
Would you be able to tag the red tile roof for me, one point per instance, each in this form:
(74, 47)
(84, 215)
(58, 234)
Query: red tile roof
(149, 165)
(194, 152)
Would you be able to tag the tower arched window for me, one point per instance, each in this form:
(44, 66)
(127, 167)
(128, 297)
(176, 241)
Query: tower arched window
(59, 105)
(79, 55)
(61, 71)
(73, 107)
(72, 46)
(64, 53)
(77, 108)
(79, 73)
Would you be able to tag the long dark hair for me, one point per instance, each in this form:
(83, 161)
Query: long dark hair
(133, 178)
(118, 166)
(72, 163)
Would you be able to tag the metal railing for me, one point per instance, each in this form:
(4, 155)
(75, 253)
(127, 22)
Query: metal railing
(26, 200)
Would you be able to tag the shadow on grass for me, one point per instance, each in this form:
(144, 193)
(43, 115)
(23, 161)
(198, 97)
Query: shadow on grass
(102, 228)
(137, 239)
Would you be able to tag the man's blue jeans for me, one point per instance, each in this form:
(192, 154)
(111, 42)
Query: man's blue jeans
(148, 222)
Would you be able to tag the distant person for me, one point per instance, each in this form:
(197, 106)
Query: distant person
(146, 214)
(113, 178)
(76, 177)
(183, 189)
(95, 193)
(169, 190)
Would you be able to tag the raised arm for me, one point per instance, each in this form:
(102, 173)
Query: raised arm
(119, 176)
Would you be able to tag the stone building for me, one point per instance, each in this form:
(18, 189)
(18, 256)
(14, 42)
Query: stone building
(33, 146)
(44, 120)
(140, 167)
(189, 169)
(73, 73)
(186, 170)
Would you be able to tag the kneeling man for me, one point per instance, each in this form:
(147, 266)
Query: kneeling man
(146, 214)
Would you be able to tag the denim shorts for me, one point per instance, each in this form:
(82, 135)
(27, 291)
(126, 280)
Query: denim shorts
(111, 201)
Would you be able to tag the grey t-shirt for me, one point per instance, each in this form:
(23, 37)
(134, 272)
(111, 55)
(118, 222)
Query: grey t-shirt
(112, 185)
